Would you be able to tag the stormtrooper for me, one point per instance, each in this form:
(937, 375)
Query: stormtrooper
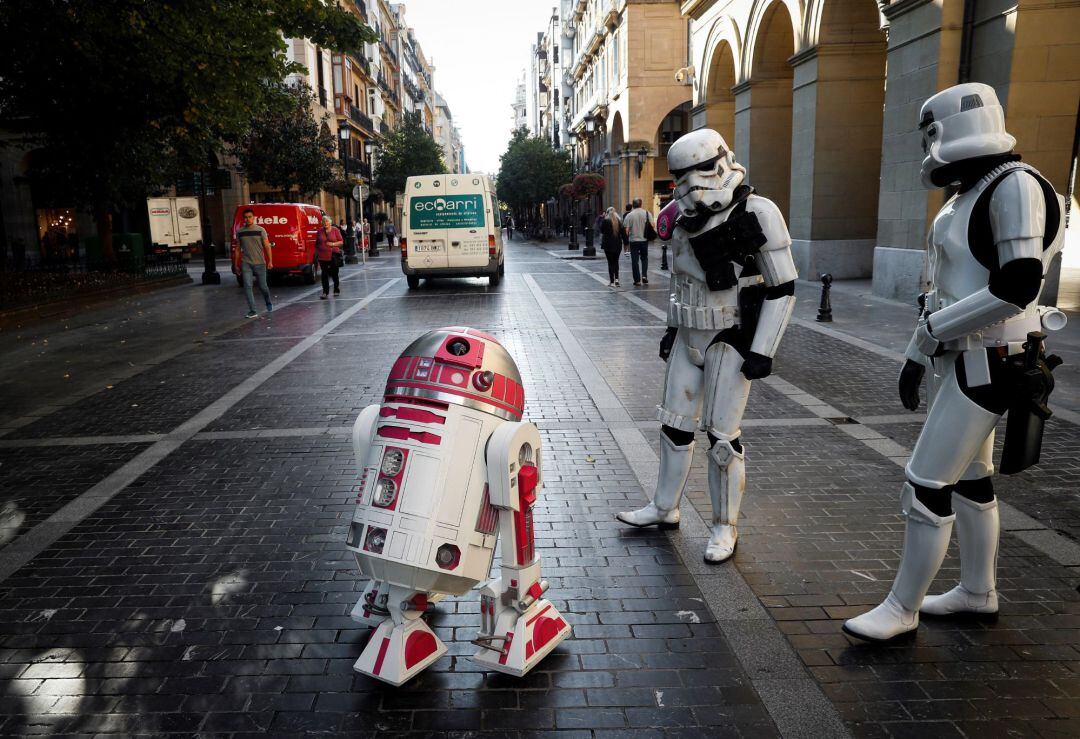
(732, 293)
(979, 337)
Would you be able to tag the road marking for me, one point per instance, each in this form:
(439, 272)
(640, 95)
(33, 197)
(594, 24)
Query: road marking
(35, 541)
(740, 616)
(136, 368)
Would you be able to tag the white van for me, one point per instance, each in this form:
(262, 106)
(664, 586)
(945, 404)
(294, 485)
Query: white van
(452, 228)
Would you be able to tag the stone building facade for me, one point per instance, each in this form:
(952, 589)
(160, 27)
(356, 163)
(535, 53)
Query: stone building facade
(819, 99)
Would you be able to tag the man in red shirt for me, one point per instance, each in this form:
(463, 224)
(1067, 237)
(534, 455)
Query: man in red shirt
(328, 244)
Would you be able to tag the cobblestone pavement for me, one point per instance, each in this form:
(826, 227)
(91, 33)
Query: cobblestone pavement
(174, 513)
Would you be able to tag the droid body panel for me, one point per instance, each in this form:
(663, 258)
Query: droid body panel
(979, 336)
(446, 466)
(732, 294)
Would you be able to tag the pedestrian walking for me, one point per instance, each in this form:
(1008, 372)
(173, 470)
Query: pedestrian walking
(255, 258)
(391, 234)
(509, 228)
(611, 233)
(641, 229)
(328, 243)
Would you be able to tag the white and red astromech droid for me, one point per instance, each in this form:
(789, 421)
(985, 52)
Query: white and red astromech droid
(447, 465)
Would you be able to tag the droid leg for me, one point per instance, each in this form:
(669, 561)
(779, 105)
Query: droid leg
(955, 434)
(402, 645)
(726, 391)
(371, 609)
(977, 532)
(519, 627)
(679, 415)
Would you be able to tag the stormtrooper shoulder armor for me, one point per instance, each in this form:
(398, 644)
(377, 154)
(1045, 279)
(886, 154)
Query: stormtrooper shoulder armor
(774, 260)
(1018, 214)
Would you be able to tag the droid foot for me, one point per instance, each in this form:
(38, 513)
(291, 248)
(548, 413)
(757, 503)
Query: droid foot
(650, 515)
(395, 653)
(521, 640)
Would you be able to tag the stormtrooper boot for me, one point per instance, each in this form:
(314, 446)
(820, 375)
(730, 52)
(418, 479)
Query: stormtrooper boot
(977, 531)
(663, 511)
(926, 538)
(727, 480)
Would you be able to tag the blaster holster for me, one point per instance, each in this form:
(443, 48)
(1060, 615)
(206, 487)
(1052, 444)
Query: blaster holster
(1032, 381)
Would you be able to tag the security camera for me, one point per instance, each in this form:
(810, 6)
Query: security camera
(686, 74)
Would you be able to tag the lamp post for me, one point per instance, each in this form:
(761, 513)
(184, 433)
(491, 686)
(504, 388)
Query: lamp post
(350, 239)
(572, 245)
(373, 247)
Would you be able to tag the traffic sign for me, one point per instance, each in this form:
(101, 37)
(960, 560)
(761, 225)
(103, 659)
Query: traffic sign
(360, 192)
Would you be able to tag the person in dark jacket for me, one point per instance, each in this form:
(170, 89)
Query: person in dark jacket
(611, 241)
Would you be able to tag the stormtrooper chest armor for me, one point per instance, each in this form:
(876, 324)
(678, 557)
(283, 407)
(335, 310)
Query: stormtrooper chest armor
(954, 271)
(692, 304)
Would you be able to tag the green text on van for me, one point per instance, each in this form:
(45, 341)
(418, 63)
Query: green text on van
(451, 211)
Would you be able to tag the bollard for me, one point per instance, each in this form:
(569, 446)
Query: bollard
(210, 275)
(573, 239)
(663, 256)
(824, 313)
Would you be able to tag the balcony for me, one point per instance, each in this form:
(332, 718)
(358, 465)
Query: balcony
(364, 121)
(388, 50)
(362, 62)
(413, 91)
(357, 167)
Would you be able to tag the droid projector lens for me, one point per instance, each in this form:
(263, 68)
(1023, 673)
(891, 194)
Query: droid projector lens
(385, 492)
(391, 462)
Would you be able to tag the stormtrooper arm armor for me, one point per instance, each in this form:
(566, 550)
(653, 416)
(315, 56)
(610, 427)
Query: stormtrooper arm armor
(1017, 220)
(778, 270)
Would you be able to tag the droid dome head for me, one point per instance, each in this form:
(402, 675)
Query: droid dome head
(959, 123)
(705, 171)
(460, 366)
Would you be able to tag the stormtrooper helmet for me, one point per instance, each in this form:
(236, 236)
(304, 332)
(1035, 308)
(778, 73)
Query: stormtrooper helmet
(961, 122)
(705, 171)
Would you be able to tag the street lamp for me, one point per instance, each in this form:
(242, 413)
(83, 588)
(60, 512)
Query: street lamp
(642, 155)
(373, 246)
(350, 241)
(590, 124)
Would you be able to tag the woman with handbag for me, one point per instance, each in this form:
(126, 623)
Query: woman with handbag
(328, 243)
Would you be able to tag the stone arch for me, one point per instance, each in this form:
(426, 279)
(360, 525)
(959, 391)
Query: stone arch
(768, 115)
(721, 75)
(762, 15)
(672, 126)
(616, 177)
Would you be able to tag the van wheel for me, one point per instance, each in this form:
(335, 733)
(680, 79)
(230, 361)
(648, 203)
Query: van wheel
(502, 269)
(413, 280)
(309, 275)
(494, 279)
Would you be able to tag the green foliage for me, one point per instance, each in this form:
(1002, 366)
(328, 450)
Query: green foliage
(530, 171)
(118, 97)
(407, 151)
(286, 147)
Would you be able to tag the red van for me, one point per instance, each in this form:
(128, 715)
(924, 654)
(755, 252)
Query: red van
(291, 229)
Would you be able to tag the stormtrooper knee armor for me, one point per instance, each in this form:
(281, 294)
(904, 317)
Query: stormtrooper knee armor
(989, 248)
(732, 294)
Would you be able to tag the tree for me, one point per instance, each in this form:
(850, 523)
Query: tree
(287, 147)
(139, 91)
(407, 151)
(530, 172)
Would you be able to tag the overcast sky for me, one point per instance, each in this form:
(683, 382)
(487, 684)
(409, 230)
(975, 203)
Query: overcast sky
(479, 48)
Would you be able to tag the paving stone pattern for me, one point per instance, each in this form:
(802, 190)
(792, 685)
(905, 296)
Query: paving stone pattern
(36, 482)
(211, 595)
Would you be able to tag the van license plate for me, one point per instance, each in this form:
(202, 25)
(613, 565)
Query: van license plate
(428, 246)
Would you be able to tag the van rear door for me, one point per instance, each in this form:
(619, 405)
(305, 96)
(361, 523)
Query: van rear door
(468, 218)
(426, 228)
